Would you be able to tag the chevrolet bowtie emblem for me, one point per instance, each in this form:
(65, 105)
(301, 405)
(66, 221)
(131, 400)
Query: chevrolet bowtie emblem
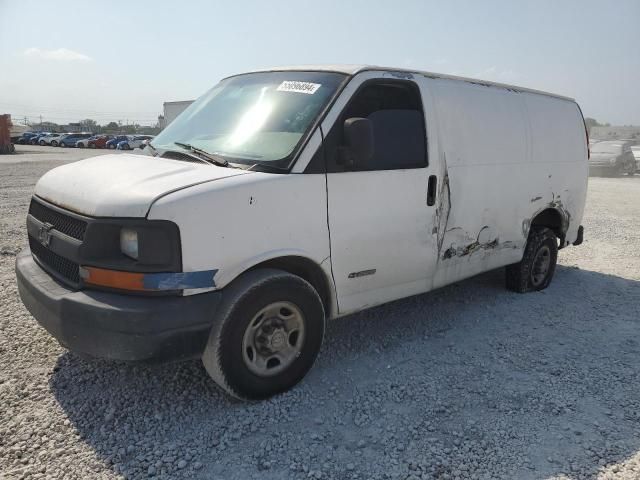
(44, 234)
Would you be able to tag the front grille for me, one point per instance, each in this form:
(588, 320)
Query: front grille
(65, 268)
(66, 224)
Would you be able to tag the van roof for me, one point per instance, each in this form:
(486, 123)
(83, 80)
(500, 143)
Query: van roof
(354, 69)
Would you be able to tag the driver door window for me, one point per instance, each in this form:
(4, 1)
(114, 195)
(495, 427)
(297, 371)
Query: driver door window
(395, 111)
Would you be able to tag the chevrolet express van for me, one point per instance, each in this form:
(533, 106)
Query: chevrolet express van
(287, 197)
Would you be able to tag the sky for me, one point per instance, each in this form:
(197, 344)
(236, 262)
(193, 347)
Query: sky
(120, 60)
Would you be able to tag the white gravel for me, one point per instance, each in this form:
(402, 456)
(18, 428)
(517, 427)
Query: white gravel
(470, 381)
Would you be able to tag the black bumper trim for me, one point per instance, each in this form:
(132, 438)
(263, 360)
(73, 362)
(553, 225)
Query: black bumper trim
(117, 326)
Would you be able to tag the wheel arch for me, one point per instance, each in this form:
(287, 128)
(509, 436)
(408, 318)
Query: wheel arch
(553, 219)
(308, 270)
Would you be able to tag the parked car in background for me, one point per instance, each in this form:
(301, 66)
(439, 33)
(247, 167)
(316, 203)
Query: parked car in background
(26, 137)
(56, 142)
(133, 142)
(612, 157)
(35, 140)
(70, 139)
(52, 139)
(84, 142)
(99, 141)
(42, 139)
(145, 143)
(113, 143)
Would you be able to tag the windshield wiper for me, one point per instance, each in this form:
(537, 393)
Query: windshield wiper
(154, 149)
(204, 155)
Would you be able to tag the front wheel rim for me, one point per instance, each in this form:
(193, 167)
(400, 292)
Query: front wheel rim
(273, 339)
(541, 264)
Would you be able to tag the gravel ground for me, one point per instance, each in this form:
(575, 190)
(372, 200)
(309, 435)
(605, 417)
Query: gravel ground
(470, 381)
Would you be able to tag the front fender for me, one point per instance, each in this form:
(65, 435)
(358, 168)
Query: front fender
(235, 223)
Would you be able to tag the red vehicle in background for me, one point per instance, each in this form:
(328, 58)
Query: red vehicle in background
(99, 142)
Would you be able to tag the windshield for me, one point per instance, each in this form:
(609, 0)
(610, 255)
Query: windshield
(606, 147)
(254, 118)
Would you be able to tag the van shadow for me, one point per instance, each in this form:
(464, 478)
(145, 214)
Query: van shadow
(543, 384)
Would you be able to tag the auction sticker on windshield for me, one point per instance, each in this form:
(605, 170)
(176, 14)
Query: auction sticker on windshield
(299, 87)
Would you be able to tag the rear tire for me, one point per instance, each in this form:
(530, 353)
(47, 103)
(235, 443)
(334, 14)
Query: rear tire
(535, 271)
(42, 144)
(54, 143)
(266, 336)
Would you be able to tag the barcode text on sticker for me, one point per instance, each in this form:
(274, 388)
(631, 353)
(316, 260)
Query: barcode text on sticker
(299, 87)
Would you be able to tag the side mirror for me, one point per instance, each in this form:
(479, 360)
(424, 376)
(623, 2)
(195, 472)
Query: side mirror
(358, 135)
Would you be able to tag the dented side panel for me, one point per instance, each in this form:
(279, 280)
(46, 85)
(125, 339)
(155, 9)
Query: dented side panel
(504, 156)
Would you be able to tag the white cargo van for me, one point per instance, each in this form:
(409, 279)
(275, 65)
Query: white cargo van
(287, 197)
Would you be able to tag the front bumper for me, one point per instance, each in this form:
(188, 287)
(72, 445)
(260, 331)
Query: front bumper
(117, 326)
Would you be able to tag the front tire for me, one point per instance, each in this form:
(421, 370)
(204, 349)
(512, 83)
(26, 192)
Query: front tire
(267, 334)
(535, 271)
(54, 143)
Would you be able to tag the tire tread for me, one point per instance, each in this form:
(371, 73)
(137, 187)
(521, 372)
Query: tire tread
(245, 286)
(517, 278)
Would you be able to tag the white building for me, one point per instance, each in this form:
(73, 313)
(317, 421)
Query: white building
(171, 111)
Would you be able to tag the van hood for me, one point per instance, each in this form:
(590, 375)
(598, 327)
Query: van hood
(123, 185)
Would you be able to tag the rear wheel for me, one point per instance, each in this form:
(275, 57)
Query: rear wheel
(54, 143)
(267, 335)
(535, 270)
(112, 147)
(631, 168)
(42, 144)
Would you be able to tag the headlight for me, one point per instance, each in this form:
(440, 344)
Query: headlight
(132, 244)
(129, 242)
